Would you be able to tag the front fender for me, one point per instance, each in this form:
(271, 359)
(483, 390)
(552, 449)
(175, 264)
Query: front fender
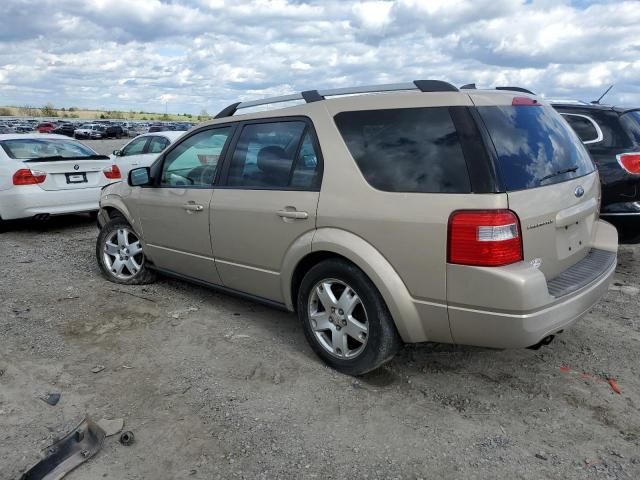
(111, 198)
(377, 268)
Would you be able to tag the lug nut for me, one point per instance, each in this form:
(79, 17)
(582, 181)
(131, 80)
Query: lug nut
(344, 323)
(341, 312)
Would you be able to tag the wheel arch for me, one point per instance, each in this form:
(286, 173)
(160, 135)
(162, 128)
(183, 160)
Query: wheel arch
(336, 243)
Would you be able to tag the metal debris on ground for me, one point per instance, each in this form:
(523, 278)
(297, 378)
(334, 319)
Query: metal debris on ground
(127, 438)
(97, 368)
(68, 453)
(51, 398)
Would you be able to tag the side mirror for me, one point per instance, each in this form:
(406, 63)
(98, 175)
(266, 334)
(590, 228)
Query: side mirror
(140, 177)
(117, 153)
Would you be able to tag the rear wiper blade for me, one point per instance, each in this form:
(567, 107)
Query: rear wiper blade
(559, 172)
(54, 158)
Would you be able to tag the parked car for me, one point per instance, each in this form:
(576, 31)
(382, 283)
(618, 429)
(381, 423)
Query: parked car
(22, 128)
(91, 131)
(143, 150)
(6, 129)
(65, 129)
(50, 175)
(45, 127)
(157, 128)
(113, 131)
(379, 219)
(612, 136)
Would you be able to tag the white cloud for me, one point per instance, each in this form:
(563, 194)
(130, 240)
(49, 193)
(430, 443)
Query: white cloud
(191, 54)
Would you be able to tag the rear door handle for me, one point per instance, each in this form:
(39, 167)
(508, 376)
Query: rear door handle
(293, 214)
(192, 207)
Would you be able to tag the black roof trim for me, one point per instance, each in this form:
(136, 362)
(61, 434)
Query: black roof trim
(434, 86)
(311, 96)
(228, 111)
(516, 89)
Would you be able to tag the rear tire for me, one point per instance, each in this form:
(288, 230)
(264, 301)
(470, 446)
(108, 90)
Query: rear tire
(345, 319)
(120, 256)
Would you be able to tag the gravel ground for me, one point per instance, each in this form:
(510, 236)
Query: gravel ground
(217, 387)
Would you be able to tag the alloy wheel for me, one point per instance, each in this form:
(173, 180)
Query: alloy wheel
(338, 318)
(122, 254)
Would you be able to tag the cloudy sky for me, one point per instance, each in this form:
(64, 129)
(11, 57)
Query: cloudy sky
(203, 54)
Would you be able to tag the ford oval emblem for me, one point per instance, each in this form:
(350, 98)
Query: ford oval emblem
(579, 191)
(77, 167)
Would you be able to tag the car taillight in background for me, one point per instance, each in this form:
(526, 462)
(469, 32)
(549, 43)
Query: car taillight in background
(112, 172)
(484, 238)
(630, 162)
(24, 176)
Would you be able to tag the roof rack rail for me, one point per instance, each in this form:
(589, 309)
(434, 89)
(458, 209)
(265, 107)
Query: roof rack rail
(310, 96)
(472, 86)
(516, 89)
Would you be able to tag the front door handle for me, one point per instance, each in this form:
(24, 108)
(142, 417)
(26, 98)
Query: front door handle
(294, 214)
(192, 207)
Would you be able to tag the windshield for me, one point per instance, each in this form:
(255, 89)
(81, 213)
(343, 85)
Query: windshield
(29, 148)
(631, 121)
(535, 146)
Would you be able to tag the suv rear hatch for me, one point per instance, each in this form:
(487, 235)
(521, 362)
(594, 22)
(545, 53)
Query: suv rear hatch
(550, 180)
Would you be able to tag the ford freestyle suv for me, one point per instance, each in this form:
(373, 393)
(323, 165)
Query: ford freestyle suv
(398, 213)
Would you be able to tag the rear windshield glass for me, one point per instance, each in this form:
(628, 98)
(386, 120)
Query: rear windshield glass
(407, 149)
(29, 148)
(631, 121)
(535, 146)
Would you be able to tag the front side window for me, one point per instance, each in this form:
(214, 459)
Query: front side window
(270, 155)
(534, 146)
(194, 161)
(158, 144)
(406, 149)
(135, 147)
(584, 126)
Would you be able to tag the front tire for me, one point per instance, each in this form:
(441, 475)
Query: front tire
(345, 319)
(120, 256)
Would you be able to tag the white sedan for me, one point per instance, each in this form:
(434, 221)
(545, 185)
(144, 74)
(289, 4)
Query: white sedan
(42, 175)
(143, 150)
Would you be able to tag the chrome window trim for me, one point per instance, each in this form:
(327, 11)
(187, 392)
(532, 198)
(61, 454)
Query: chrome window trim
(595, 124)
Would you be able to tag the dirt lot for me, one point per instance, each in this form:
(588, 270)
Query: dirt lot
(216, 387)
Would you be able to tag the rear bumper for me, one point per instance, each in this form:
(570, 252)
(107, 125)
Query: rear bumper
(621, 209)
(31, 200)
(509, 330)
(515, 306)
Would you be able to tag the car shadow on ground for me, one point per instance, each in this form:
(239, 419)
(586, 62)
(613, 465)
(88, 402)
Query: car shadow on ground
(56, 223)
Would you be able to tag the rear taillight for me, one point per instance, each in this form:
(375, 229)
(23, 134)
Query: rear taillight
(484, 238)
(24, 176)
(630, 162)
(112, 172)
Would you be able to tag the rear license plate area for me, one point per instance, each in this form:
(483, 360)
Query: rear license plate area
(76, 177)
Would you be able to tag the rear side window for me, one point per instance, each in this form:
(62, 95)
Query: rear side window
(275, 155)
(584, 127)
(407, 149)
(534, 146)
(631, 122)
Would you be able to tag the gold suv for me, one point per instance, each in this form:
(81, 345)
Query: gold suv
(397, 213)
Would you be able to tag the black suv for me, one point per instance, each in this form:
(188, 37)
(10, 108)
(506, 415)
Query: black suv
(113, 131)
(64, 129)
(612, 136)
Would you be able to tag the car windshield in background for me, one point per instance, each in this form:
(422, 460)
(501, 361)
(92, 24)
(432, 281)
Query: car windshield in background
(631, 121)
(30, 148)
(535, 146)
